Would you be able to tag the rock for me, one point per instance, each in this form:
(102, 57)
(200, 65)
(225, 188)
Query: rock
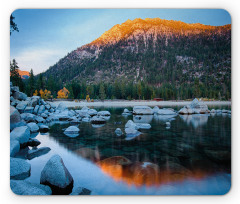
(47, 106)
(97, 120)
(35, 100)
(39, 119)
(168, 124)
(104, 113)
(72, 130)
(44, 115)
(86, 119)
(27, 188)
(41, 109)
(81, 191)
(213, 111)
(43, 128)
(142, 110)
(21, 134)
(37, 152)
(92, 112)
(143, 125)
(32, 142)
(126, 112)
(118, 132)
(33, 127)
(14, 147)
(131, 124)
(155, 109)
(29, 117)
(224, 111)
(61, 107)
(15, 89)
(19, 169)
(131, 133)
(166, 111)
(196, 107)
(84, 109)
(28, 109)
(35, 111)
(22, 96)
(15, 118)
(143, 118)
(21, 106)
(56, 175)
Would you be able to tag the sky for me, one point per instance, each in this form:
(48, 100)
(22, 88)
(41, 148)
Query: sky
(47, 35)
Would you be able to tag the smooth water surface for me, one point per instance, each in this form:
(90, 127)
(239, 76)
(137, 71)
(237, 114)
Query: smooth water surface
(193, 156)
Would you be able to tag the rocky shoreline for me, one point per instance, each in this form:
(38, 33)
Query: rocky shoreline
(30, 115)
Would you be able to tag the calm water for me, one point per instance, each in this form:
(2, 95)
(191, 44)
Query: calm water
(192, 157)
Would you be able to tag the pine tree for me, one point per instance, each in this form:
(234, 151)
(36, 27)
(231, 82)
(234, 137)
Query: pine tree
(139, 90)
(31, 83)
(102, 92)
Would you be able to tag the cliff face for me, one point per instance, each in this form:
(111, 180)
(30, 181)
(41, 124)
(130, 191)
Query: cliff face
(150, 50)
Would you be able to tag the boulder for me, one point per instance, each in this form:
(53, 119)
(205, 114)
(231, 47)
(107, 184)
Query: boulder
(14, 147)
(33, 127)
(29, 117)
(166, 111)
(19, 169)
(35, 100)
(20, 134)
(156, 109)
(104, 113)
(126, 112)
(86, 119)
(15, 118)
(35, 111)
(15, 89)
(92, 112)
(131, 124)
(28, 109)
(27, 188)
(118, 132)
(44, 115)
(80, 191)
(41, 109)
(22, 96)
(61, 107)
(43, 128)
(39, 119)
(131, 133)
(32, 142)
(56, 175)
(47, 107)
(143, 125)
(98, 120)
(168, 124)
(72, 130)
(37, 152)
(142, 110)
(21, 106)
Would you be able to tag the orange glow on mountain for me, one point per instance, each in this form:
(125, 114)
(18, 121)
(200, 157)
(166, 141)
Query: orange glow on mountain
(154, 26)
(23, 73)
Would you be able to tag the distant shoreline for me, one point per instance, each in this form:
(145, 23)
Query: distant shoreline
(125, 103)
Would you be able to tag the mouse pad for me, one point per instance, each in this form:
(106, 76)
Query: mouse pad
(120, 102)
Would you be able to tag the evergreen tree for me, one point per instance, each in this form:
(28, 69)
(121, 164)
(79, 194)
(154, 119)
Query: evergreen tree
(102, 92)
(139, 89)
(31, 83)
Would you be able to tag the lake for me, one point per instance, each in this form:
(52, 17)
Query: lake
(193, 156)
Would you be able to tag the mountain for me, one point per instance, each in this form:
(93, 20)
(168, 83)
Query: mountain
(23, 74)
(154, 51)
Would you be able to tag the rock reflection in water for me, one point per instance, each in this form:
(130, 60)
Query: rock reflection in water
(164, 118)
(142, 118)
(196, 120)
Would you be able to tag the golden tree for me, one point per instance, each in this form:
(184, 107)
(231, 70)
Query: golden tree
(63, 93)
(45, 94)
(35, 93)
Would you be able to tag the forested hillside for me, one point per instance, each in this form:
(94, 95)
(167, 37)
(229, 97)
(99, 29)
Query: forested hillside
(147, 59)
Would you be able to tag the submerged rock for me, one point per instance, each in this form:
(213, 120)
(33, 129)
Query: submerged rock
(131, 133)
(37, 152)
(98, 120)
(142, 110)
(118, 132)
(27, 188)
(19, 169)
(81, 191)
(56, 175)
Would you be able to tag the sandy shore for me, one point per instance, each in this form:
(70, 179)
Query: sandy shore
(137, 103)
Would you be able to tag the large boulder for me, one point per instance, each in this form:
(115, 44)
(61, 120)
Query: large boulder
(14, 147)
(61, 107)
(33, 142)
(28, 117)
(72, 131)
(35, 111)
(27, 188)
(41, 109)
(22, 96)
(166, 111)
(196, 107)
(19, 169)
(56, 175)
(142, 110)
(35, 100)
(15, 118)
(39, 119)
(98, 120)
(36, 152)
(33, 127)
(21, 134)
(92, 112)
(21, 106)
(131, 124)
(156, 109)
(28, 109)
(126, 112)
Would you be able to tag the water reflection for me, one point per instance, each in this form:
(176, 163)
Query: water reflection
(195, 120)
(142, 118)
(194, 147)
